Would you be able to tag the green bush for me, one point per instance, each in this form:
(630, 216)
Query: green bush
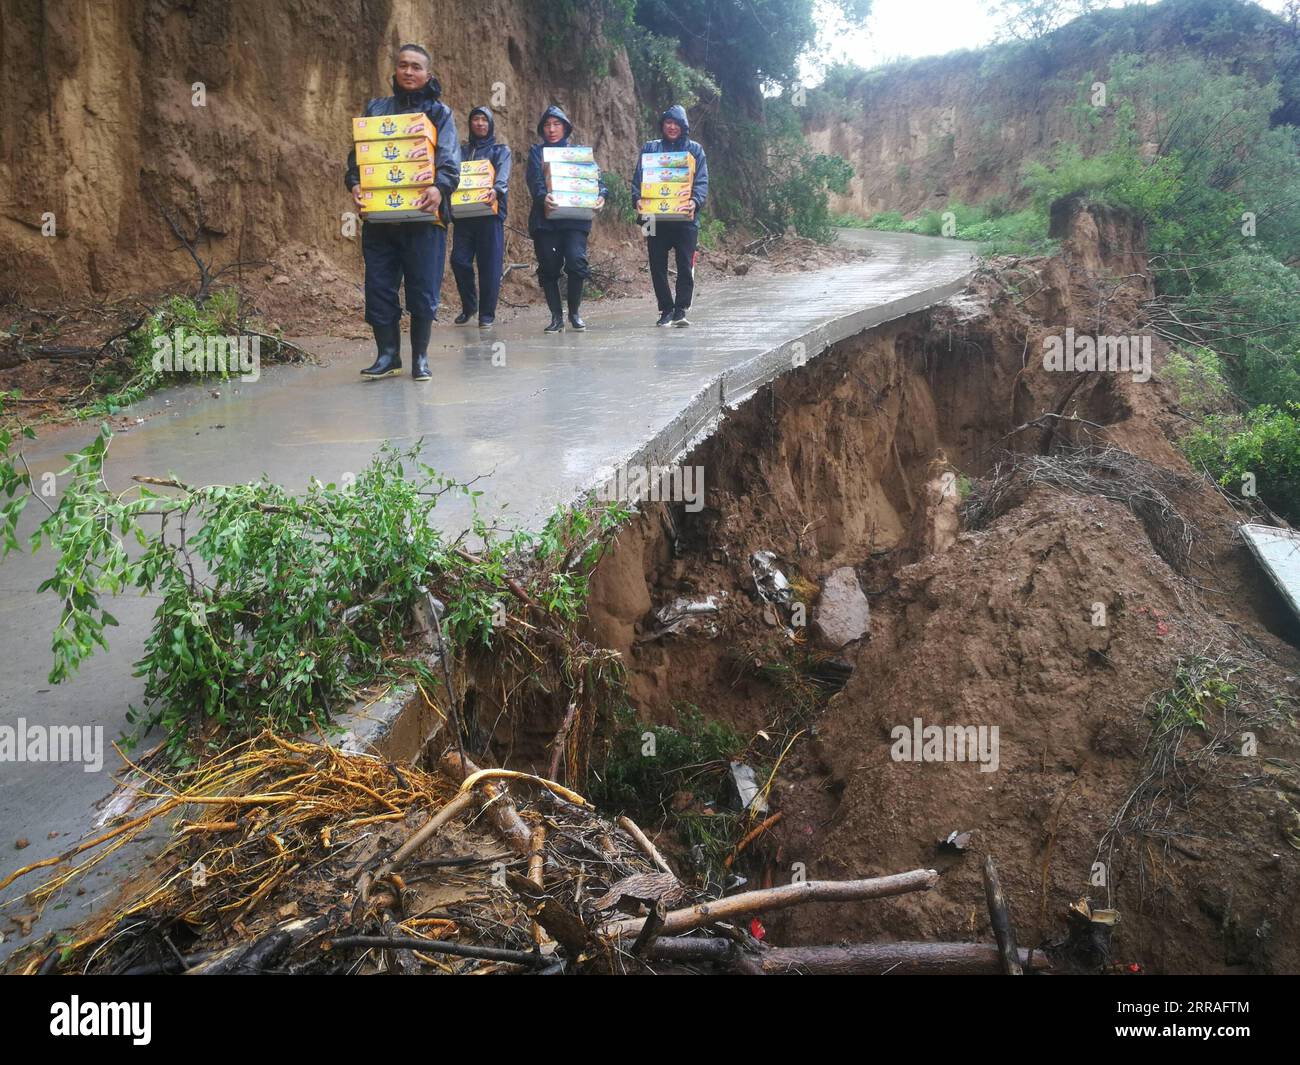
(127, 380)
(1200, 380)
(699, 749)
(712, 230)
(619, 198)
(275, 607)
(799, 194)
(1260, 449)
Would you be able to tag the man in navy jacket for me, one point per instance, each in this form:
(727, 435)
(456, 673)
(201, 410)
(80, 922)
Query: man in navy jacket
(560, 243)
(482, 239)
(412, 251)
(681, 237)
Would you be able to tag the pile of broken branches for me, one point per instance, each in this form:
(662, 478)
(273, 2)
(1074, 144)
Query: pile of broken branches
(294, 857)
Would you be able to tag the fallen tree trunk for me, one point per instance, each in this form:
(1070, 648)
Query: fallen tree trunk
(780, 898)
(858, 959)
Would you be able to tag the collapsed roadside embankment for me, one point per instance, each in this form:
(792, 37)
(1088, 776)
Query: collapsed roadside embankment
(1040, 564)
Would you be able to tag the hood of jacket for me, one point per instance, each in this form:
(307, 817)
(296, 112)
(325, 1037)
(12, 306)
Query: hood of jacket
(678, 114)
(481, 142)
(555, 111)
(431, 91)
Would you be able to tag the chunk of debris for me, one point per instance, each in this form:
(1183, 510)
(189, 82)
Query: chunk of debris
(683, 614)
(956, 841)
(843, 613)
(771, 582)
(747, 790)
(1278, 553)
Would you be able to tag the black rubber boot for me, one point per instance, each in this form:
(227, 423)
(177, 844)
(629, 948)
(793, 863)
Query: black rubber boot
(575, 302)
(388, 339)
(465, 316)
(551, 288)
(421, 328)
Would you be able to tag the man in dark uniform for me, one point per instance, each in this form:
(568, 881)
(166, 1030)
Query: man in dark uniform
(559, 243)
(482, 239)
(412, 251)
(681, 237)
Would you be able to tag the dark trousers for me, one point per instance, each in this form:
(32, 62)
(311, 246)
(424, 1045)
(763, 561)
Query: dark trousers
(414, 252)
(561, 249)
(480, 240)
(682, 238)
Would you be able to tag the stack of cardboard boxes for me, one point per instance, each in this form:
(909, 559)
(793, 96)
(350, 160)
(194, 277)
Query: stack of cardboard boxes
(395, 155)
(666, 182)
(573, 181)
(470, 200)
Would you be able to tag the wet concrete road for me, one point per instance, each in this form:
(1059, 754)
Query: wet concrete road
(537, 418)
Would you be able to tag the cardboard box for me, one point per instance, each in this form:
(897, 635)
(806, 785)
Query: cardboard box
(668, 210)
(576, 199)
(675, 160)
(399, 150)
(477, 174)
(573, 205)
(472, 203)
(394, 205)
(559, 170)
(387, 175)
(666, 190)
(656, 175)
(574, 184)
(390, 127)
(571, 154)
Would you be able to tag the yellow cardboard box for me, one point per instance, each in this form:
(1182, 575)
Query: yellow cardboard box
(399, 150)
(666, 190)
(669, 210)
(477, 174)
(472, 203)
(394, 205)
(387, 175)
(389, 127)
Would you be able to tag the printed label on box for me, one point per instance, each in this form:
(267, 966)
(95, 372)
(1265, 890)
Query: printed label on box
(387, 175)
(401, 150)
(388, 127)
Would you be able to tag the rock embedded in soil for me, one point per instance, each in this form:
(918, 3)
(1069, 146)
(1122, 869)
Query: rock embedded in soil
(843, 613)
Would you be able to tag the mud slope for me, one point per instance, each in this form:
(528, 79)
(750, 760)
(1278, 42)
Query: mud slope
(101, 135)
(982, 614)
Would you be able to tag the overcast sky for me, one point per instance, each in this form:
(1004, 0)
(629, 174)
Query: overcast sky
(909, 28)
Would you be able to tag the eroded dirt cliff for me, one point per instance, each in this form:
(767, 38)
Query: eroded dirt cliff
(99, 127)
(984, 612)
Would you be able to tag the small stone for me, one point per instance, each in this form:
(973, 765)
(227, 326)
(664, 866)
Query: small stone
(20, 844)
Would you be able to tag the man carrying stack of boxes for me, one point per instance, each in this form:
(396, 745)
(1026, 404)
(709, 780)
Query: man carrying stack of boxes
(478, 209)
(401, 172)
(672, 179)
(567, 191)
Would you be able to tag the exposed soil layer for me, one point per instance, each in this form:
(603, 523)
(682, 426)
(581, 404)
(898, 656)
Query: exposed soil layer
(848, 462)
